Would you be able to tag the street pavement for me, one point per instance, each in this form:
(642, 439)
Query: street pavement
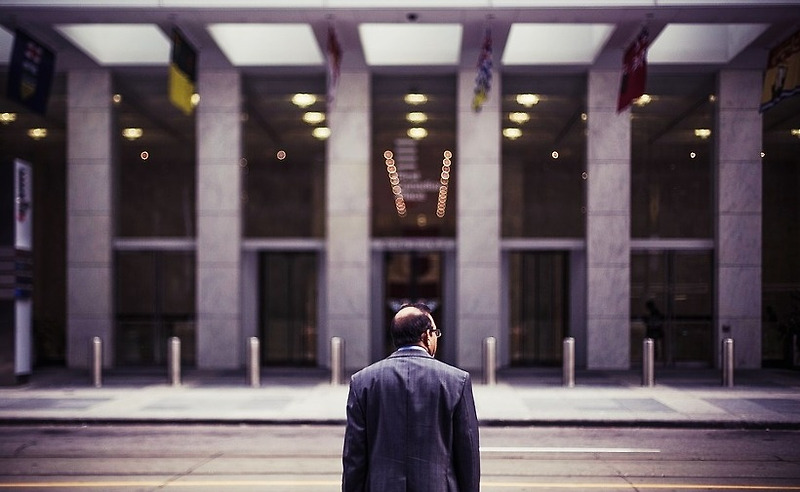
(765, 398)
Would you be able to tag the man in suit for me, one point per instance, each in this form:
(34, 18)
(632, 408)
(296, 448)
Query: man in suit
(411, 421)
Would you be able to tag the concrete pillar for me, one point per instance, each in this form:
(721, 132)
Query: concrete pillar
(608, 225)
(478, 268)
(348, 194)
(219, 144)
(89, 215)
(738, 214)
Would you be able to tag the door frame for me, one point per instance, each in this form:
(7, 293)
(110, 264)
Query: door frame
(447, 248)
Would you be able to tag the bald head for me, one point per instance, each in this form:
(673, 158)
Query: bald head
(410, 322)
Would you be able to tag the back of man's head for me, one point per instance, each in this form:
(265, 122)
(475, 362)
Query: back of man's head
(410, 322)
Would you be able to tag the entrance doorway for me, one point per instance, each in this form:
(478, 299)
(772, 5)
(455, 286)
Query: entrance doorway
(288, 308)
(415, 276)
(538, 306)
(672, 302)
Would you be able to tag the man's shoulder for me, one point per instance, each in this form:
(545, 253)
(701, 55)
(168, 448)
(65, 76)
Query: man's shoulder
(387, 364)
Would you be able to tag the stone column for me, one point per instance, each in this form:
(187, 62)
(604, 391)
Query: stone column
(348, 195)
(476, 166)
(219, 144)
(608, 225)
(89, 215)
(738, 214)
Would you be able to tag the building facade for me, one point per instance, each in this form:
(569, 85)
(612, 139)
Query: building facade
(296, 205)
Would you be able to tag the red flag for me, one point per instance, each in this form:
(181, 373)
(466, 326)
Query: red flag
(634, 71)
(334, 63)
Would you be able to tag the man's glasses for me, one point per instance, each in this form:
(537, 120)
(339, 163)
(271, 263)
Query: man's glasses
(437, 332)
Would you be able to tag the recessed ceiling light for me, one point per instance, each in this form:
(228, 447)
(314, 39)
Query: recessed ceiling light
(417, 133)
(321, 132)
(313, 117)
(519, 117)
(416, 98)
(417, 117)
(37, 133)
(528, 100)
(304, 100)
(512, 133)
(6, 118)
(643, 100)
(703, 133)
(132, 133)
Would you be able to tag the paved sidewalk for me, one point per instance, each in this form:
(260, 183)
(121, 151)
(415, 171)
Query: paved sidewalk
(681, 398)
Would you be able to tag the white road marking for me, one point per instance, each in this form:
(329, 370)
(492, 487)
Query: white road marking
(523, 449)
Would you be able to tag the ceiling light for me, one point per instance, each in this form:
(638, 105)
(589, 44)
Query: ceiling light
(6, 118)
(512, 133)
(643, 100)
(321, 132)
(795, 132)
(304, 100)
(132, 133)
(314, 117)
(519, 117)
(195, 100)
(703, 133)
(528, 100)
(417, 117)
(417, 133)
(116, 98)
(37, 133)
(416, 98)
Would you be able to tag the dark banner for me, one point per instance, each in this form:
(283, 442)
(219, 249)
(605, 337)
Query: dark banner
(30, 73)
(782, 78)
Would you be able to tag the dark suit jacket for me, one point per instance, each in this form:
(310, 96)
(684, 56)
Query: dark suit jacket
(411, 426)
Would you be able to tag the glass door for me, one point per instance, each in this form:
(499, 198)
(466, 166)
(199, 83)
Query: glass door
(288, 308)
(413, 276)
(539, 306)
(672, 302)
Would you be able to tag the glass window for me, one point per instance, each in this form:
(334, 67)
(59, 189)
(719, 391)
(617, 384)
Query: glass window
(155, 300)
(544, 156)
(539, 306)
(672, 303)
(47, 155)
(672, 158)
(288, 302)
(413, 156)
(781, 233)
(283, 170)
(155, 148)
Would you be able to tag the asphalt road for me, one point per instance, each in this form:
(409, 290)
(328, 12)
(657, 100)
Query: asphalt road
(307, 458)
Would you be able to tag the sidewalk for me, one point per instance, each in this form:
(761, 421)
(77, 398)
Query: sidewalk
(768, 398)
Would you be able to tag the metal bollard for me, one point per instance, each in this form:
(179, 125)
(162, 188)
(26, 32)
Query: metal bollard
(727, 362)
(97, 362)
(648, 361)
(254, 362)
(568, 375)
(337, 360)
(489, 361)
(174, 360)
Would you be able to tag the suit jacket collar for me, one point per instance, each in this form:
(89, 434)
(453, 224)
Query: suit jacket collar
(410, 351)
